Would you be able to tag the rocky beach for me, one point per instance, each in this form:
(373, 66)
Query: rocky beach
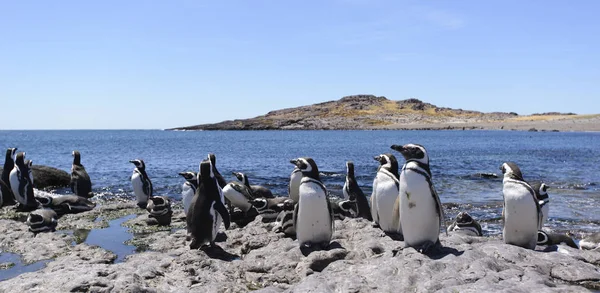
(253, 258)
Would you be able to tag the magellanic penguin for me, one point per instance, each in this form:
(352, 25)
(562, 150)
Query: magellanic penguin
(239, 195)
(384, 207)
(207, 209)
(343, 208)
(521, 211)
(3, 188)
(66, 204)
(142, 185)
(42, 220)
(159, 208)
(258, 191)
(213, 160)
(80, 180)
(9, 163)
(421, 212)
(353, 193)
(313, 217)
(545, 238)
(284, 222)
(541, 194)
(294, 185)
(269, 208)
(188, 189)
(590, 242)
(21, 184)
(465, 224)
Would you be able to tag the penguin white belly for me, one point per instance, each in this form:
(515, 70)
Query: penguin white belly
(14, 185)
(545, 210)
(187, 194)
(313, 220)
(294, 188)
(520, 216)
(387, 193)
(236, 198)
(138, 188)
(418, 211)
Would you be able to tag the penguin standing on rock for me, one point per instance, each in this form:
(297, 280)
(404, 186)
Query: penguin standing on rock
(353, 193)
(521, 212)
(142, 186)
(385, 194)
(21, 183)
(221, 181)
(207, 209)
(81, 184)
(188, 189)
(313, 217)
(5, 190)
(294, 184)
(541, 194)
(421, 212)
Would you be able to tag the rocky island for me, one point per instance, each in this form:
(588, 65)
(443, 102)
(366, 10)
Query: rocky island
(369, 112)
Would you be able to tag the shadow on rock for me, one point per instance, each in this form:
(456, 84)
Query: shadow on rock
(221, 237)
(217, 252)
(440, 252)
(307, 250)
(395, 236)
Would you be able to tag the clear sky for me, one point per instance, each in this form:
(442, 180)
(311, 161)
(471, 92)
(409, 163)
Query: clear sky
(160, 64)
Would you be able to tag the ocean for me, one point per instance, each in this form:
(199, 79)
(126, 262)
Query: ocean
(566, 161)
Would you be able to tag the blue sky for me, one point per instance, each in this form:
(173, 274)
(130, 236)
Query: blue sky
(161, 64)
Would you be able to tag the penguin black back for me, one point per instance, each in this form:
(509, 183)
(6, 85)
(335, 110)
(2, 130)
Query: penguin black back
(220, 179)
(356, 194)
(25, 187)
(7, 194)
(81, 184)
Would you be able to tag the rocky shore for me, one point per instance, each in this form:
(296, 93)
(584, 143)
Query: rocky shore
(369, 112)
(360, 259)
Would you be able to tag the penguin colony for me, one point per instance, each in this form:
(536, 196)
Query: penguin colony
(404, 202)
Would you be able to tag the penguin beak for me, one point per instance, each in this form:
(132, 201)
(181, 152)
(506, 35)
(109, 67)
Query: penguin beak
(180, 173)
(132, 161)
(377, 158)
(294, 161)
(398, 148)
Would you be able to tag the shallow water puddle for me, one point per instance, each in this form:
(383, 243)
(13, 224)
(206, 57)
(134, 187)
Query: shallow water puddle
(11, 265)
(113, 238)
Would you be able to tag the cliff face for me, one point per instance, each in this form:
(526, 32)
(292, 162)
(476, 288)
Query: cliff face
(356, 112)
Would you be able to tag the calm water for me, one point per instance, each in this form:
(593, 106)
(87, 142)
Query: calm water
(567, 162)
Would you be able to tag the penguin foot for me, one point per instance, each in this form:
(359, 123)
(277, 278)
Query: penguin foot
(142, 205)
(375, 225)
(425, 247)
(194, 244)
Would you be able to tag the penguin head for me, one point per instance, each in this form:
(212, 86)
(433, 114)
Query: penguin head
(76, 157)
(29, 163)
(33, 219)
(387, 161)
(543, 190)
(511, 170)
(288, 204)
(213, 159)
(188, 176)
(138, 164)
(350, 168)
(206, 170)
(540, 190)
(307, 166)
(20, 159)
(259, 203)
(464, 218)
(413, 152)
(542, 238)
(240, 176)
(10, 153)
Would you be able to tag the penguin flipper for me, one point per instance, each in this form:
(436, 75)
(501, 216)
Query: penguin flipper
(220, 208)
(330, 209)
(440, 208)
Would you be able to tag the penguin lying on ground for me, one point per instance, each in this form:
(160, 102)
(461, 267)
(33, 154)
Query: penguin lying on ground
(258, 191)
(66, 204)
(466, 225)
(545, 238)
(269, 208)
(284, 223)
(159, 208)
(42, 220)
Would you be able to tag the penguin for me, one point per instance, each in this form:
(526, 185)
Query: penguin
(207, 209)
(3, 187)
(421, 212)
(80, 180)
(239, 195)
(313, 217)
(269, 208)
(343, 208)
(9, 163)
(353, 193)
(188, 189)
(257, 190)
(66, 204)
(521, 212)
(142, 185)
(284, 223)
(543, 238)
(42, 220)
(541, 195)
(213, 159)
(29, 164)
(159, 208)
(294, 184)
(21, 183)
(590, 242)
(465, 224)
(385, 194)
